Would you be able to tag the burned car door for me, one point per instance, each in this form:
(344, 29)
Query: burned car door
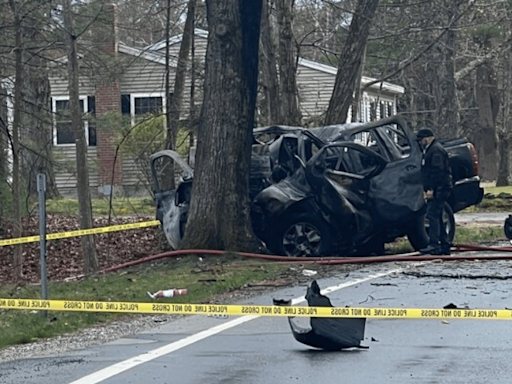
(172, 202)
(397, 191)
(340, 174)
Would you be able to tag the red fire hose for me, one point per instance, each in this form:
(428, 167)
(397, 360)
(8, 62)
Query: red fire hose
(413, 256)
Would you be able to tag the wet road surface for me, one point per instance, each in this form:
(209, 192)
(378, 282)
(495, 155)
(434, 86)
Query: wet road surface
(263, 350)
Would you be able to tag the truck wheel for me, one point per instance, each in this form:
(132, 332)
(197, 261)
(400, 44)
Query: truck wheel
(418, 235)
(302, 235)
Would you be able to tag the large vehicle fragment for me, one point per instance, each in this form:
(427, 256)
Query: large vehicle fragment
(326, 333)
(337, 190)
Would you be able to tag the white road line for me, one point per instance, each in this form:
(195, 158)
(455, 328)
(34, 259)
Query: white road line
(122, 366)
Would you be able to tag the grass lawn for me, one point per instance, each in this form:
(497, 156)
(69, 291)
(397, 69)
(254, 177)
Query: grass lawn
(204, 278)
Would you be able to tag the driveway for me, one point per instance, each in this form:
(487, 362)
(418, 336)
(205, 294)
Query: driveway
(481, 217)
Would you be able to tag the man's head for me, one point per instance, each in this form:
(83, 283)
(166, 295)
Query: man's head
(425, 136)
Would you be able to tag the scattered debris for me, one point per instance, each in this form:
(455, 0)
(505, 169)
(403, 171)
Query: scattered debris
(331, 334)
(168, 293)
(309, 272)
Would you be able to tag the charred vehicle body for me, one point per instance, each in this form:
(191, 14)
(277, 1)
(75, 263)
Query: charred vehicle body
(325, 333)
(336, 190)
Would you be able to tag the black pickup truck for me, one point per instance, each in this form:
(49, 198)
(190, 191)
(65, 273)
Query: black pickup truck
(336, 190)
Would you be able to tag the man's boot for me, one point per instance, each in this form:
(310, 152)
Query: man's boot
(446, 249)
(431, 250)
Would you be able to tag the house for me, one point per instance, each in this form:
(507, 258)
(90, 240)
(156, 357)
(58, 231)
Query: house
(140, 88)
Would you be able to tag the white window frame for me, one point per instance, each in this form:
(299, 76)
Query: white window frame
(84, 99)
(134, 96)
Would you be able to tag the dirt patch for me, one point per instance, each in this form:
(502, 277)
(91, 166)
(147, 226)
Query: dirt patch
(64, 256)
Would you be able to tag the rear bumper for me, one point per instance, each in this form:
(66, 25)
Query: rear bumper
(465, 193)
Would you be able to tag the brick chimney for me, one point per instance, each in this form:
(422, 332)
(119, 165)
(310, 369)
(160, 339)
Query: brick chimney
(108, 99)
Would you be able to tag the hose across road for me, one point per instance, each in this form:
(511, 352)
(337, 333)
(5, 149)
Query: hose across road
(459, 250)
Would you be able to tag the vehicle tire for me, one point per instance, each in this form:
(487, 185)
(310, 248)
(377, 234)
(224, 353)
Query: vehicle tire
(418, 235)
(302, 235)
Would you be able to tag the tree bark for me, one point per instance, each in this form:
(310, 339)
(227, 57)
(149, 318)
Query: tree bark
(288, 93)
(175, 99)
(449, 114)
(84, 193)
(503, 161)
(219, 216)
(16, 126)
(38, 138)
(351, 57)
(268, 71)
(485, 134)
(504, 133)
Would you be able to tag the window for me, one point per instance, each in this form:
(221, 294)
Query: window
(389, 141)
(390, 109)
(373, 111)
(147, 105)
(64, 133)
(350, 161)
(139, 106)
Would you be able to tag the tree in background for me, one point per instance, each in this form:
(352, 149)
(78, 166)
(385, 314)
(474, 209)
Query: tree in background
(268, 79)
(219, 216)
(83, 190)
(16, 126)
(350, 62)
(289, 112)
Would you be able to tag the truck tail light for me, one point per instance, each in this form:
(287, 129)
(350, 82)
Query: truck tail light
(474, 155)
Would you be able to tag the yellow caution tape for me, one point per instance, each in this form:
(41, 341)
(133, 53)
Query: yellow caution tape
(256, 310)
(80, 232)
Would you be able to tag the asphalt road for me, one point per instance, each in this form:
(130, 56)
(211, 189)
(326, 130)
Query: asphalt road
(262, 349)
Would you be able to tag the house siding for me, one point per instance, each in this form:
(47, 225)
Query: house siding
(144, 75)
(65, 170)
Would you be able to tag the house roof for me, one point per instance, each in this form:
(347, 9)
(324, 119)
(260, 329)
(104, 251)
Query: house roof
(364, 79)
(389, 87)
(151, 53)
(177, 39)
(146, 54)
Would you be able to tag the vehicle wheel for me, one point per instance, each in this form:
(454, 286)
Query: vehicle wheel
(302, 235)
(418, 235)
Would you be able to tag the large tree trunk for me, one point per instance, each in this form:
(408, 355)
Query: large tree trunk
(268, 70)
(503, 161)
(449, 110)
(84, 193)
(16, 124)
(485, 134)
(38, 136)
(288, 93)
(219, 216)
(504, 134)
(351, 57)
(4, 140)
(175, 100)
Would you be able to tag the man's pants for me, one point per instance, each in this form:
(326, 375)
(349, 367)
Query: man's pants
(437, 231)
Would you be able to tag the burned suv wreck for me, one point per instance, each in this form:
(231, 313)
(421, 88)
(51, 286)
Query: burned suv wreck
(336, 190)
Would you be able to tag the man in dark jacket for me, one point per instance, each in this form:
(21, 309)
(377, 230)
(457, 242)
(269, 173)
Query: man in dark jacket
(437, 184)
